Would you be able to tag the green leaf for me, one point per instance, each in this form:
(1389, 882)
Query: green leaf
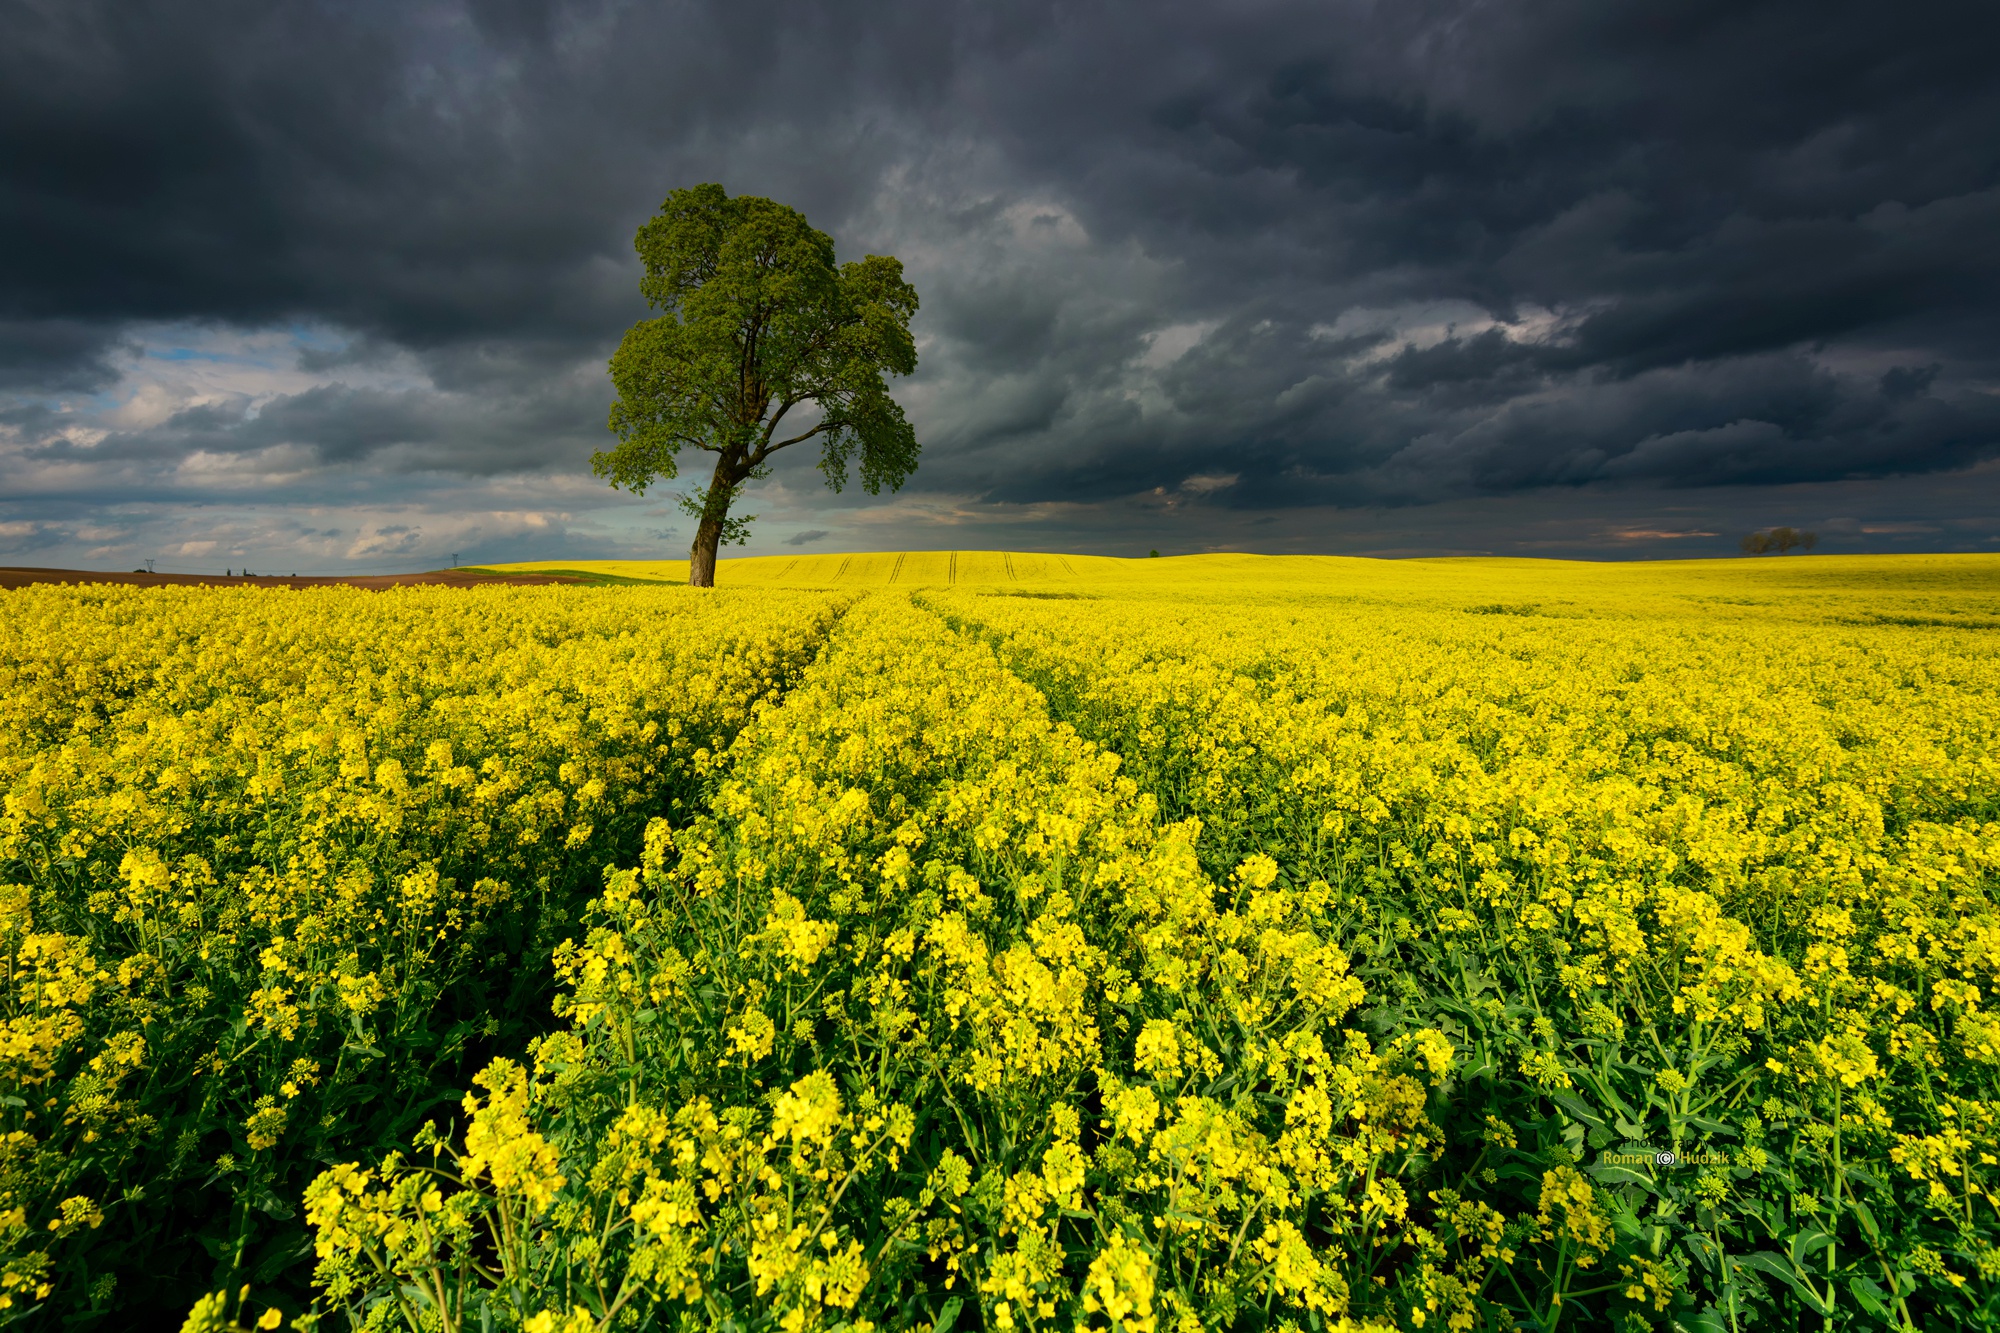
(1710, 1320)
(1807, 1243)
(1576, 1107)
(1479, 1064)
(1702, 1248)
(1869, 1295)
(1764, 1261)
(948, 1316)
(1621, 1175)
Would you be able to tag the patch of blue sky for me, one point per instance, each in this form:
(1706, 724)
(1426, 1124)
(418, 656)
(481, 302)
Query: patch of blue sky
(240, 351)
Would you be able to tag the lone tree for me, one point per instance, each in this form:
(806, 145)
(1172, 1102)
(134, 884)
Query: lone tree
(1781, 540)
(757, 323)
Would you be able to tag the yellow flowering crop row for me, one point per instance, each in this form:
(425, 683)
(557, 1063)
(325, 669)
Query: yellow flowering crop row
(1720, 891)
(934, 1022)
(1614, 950)
(274, 867)
(1104, 961)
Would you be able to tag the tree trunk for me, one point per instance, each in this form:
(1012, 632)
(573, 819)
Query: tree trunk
(701, 557)
(708, 532)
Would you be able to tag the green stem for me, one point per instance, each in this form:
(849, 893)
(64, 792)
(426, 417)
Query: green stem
(1561, 1283)
(1728, 1276)
(1839, 1178)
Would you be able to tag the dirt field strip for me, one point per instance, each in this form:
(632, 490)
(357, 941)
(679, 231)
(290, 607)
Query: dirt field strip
(22, 576)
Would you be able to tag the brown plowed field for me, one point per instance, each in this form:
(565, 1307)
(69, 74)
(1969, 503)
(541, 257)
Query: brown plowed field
(22, 576)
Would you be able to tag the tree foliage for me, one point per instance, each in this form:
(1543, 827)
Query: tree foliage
(1781, 539)
(757, 324)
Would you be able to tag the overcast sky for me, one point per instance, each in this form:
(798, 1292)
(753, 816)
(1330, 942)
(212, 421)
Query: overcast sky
(325, 286)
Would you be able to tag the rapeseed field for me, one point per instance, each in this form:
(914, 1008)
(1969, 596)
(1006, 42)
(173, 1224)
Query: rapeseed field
(953, 941)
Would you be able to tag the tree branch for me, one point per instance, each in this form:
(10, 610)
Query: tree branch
(785, 444)
(765, 448)
(771, 426)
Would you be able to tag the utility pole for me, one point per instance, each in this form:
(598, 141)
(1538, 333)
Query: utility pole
(149, 566)
(454, 560)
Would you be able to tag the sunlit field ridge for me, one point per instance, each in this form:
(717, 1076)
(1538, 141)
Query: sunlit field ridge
(1959, 590)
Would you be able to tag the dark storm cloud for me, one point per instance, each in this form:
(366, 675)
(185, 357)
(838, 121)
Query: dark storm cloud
(56, 355)
(1336, 253)
(427, 172)
(1705, 198)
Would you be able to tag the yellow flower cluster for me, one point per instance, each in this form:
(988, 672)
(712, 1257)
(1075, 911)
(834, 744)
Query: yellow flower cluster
(1708, 886)
(270, 861)
(1134, 957)
(928, 934)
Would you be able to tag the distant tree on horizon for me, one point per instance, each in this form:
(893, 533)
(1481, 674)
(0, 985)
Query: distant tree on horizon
(1780, 539)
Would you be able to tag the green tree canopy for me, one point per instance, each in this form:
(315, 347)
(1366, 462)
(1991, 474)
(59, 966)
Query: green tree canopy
(757, 323)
